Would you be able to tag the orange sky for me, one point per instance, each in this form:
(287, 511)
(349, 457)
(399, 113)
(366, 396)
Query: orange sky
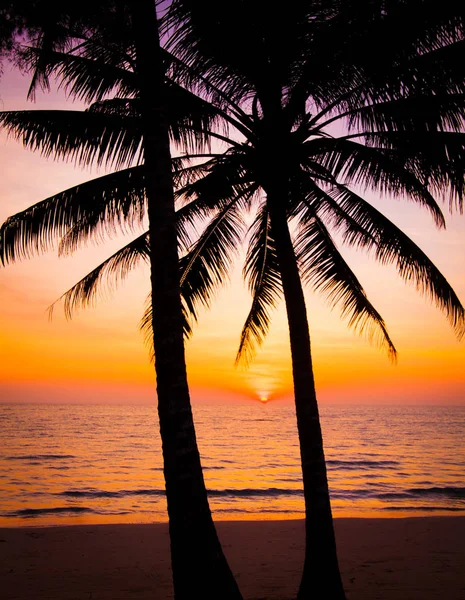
(100, 356)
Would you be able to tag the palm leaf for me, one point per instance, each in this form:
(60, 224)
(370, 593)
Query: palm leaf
(81, 136)
(376, 168)
(89, 30)
(392, 246)
(146, 325)
(84, 77)
(426, 113)
(207, 265)
(223, 176)
(191, 118)
(434, 72)
(262, 271)
(109, 273)
(320, 202)
(323, 266)
(437, 158)
(93, 208)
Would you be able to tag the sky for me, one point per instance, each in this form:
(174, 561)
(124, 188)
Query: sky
(99, 356)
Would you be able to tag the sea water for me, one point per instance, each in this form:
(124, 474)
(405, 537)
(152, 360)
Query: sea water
(64, 464)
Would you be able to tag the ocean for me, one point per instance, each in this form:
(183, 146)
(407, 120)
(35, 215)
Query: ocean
(70, 464)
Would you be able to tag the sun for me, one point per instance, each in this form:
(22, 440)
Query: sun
(263, 399)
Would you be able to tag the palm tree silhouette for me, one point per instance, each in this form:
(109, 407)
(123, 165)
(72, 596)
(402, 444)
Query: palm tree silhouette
(324, 118)
(103, 136)
(402, 136)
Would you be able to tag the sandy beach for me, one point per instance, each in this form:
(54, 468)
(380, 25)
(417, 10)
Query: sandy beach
(419, 558)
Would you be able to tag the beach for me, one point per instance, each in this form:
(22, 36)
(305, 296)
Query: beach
(417, 558)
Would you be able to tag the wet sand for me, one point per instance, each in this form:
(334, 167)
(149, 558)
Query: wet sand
(420, 558)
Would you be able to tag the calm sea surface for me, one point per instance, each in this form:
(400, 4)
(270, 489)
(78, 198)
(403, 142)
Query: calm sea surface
(63, 464)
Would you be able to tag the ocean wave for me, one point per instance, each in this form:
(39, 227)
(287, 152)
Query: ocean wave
(60, 468)
(448, 491)
(108, 473)
(262, 510)
(352, 494)
(393, 496)
(231, 493)
(37, 512)
(250, 492)
(361, 464)
(40, 457)
(426, 508)
(94, 493)
(89, 494)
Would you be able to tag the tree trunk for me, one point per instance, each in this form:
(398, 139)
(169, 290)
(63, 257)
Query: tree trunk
(321, 577)
(200, 569)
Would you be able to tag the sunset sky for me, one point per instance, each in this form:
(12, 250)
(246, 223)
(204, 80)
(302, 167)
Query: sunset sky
(100, 355)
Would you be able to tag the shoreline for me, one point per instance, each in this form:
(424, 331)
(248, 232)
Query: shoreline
(395, 558)
(88, 522)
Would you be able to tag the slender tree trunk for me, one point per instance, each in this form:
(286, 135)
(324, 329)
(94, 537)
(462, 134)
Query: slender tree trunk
(321, 577)
(200, 569)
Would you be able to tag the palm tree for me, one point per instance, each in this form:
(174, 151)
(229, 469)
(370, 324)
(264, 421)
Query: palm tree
(313, 185)
(291, 78)
(199, 565)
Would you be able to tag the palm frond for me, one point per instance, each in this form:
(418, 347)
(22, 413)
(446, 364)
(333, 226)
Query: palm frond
(94, 208)
(109, 273)
(146, 326)
(89, 31)
(116, 107)
(208, 188)
(223, 177)
(190, 118)
(375, 168)
(191, 78)
(437, 158)
(325, 269)
(207, 265)
(320, 202)
(434, 72)
(426, 113)
(392, 246)
(93, 73)
(193, 65)
(53, 36)
(82, 77)
(416, 113)
(185, 173)
(110, 46)
(272, 46)
(80, 136)
(261, 269)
